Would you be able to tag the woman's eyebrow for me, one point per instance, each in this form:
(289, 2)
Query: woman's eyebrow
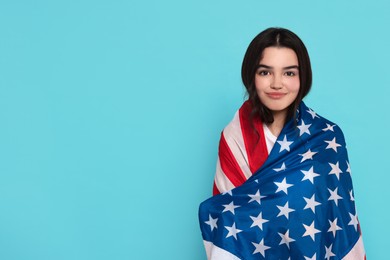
(264, 66)
(291, 67)
(285, 68)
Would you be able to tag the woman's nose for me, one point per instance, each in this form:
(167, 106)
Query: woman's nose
(276, 82)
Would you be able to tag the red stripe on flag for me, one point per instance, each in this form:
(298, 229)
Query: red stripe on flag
(255, 144)
(229, 164)
(215, 190)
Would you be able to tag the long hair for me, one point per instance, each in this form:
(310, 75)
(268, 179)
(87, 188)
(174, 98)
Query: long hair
(274, 37)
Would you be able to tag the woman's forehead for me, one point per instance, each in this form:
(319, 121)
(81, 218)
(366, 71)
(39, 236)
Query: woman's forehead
(279, 56)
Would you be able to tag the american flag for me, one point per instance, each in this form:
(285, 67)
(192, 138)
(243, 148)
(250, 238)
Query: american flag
(298, 205)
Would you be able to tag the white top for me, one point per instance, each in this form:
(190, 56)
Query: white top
(270, 139)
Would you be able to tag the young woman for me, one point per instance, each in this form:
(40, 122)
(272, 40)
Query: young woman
(283, 187)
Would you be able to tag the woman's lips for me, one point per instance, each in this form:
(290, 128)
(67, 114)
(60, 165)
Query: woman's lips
(275, 95)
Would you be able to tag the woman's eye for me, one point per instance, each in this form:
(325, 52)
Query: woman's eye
(290, 73)
(263, 73)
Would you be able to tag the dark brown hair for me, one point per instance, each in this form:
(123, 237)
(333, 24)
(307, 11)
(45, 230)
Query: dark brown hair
(274, 37)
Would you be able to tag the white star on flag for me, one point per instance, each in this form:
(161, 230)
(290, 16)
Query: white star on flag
(285, 144)
(335, 170)
(309, 175)
(228, 192)
(260, 247)
(230, 207)
(212, 222)
(332, 144)
(258, 221)
(284, 210)
(282, 168)
(308, 155)
(286, 239)
(283, 186)
(311, 203)
(314, 257)
(328, 252)
(348, 168)
(304, 128)
(354, 221)
(233, 231)
(312, 113)
(329, 128)
(334, 196)
(333, 227)
(310, 230)
(351, 195)
(256, 197)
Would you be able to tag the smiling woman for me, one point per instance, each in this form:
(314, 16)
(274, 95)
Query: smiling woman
(283, 188)
(277, 83)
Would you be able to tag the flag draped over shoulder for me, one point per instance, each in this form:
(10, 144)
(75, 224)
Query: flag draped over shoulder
(298, 205)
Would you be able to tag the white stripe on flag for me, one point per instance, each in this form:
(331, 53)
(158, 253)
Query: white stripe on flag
(221, 180)
(357, 252)
(216, 253)
(235, 140)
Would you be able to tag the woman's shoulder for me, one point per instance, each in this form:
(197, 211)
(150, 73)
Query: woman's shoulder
(310, 117)
(241, 114)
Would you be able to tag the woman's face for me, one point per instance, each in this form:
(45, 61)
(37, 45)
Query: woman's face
(277, 78)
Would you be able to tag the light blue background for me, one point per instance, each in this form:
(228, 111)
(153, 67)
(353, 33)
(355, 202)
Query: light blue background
(111, 111)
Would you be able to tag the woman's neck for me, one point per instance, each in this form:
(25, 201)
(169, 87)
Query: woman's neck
(277, 125)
